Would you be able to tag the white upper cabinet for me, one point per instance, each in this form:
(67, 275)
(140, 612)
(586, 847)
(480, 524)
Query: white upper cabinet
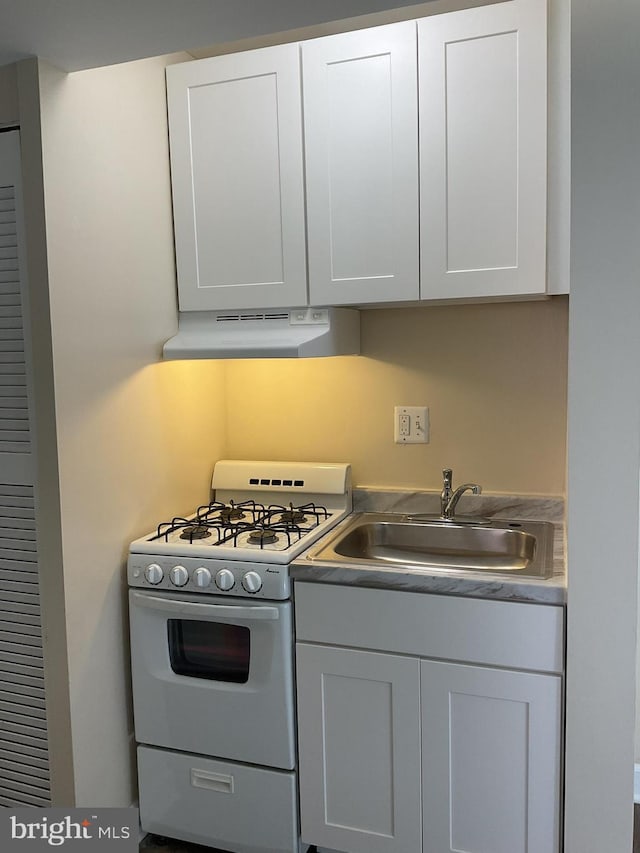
(361, 150)
(235, 127)
(456, 211)
(483, 142)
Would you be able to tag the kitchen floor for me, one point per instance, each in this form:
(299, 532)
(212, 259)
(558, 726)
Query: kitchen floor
(158, 844)
(169, 845)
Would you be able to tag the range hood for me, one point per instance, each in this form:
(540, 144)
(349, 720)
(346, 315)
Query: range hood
(297, 333)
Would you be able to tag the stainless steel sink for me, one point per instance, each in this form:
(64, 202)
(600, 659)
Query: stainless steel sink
(523, 548)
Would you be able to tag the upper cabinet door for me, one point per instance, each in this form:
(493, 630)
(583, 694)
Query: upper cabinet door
(361, 148)
(483, 137)
(236, 159)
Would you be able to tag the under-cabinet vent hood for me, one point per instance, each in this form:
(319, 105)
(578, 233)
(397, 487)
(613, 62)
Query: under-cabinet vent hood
(298, 333)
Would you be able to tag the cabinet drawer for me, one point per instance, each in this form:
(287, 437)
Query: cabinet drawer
(496, 633)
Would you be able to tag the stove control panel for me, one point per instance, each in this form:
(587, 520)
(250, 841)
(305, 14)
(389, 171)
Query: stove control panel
(209, 577)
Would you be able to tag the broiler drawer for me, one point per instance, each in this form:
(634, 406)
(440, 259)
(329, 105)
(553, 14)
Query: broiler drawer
(217, 803)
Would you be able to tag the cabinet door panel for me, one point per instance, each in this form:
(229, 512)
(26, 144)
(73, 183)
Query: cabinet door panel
(483, 151)
(360, 104)
(359, 750)
(491, 758)
(236, 159)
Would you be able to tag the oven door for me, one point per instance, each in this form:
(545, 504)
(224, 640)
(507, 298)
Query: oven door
(213, 678)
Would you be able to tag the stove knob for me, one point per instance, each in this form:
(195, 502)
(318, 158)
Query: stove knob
(154, 573)
(202, 577)
(225, 580)
(179, 576)
(252, 582)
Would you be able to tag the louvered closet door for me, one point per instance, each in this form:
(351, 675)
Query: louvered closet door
(24, 764)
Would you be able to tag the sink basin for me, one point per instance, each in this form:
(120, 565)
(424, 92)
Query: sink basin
(523, 548)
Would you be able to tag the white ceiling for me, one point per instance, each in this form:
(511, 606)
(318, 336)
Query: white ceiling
(78, 34)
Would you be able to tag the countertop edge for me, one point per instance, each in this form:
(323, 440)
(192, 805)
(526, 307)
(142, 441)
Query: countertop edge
(550, 591)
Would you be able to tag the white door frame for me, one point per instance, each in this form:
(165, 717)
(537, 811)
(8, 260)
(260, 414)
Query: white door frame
(604, 428)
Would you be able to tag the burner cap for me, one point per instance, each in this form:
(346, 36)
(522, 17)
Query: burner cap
(262, 537)
(231, 513)
(196, 531)
(292, 516)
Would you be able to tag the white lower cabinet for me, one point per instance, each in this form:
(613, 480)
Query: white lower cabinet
(399, 753)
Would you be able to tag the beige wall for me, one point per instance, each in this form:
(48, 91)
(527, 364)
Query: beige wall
(494, 377)
(136, 438)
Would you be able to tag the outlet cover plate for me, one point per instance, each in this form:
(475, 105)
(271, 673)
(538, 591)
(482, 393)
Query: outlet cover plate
(411, 425)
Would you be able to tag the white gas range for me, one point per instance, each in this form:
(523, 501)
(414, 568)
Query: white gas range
(212, 655)
(264, 514)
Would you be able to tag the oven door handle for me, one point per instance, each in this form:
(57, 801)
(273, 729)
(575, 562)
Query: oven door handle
(217, 611)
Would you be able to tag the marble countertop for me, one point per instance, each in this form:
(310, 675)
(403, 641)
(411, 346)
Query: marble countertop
(552, 590)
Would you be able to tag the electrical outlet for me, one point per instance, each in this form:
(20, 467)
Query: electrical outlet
(411, 425)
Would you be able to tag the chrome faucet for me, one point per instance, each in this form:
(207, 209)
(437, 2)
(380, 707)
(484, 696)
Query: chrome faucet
(449, 498)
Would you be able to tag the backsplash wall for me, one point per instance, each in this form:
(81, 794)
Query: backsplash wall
(494, 377)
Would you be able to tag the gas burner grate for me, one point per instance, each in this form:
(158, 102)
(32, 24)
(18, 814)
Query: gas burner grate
(244, 524)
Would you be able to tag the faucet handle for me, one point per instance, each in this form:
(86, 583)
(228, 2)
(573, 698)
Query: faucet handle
(447, 477)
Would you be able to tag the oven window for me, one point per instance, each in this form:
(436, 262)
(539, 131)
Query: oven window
(209, 650)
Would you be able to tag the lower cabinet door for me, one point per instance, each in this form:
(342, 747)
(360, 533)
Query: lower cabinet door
(491, 743)
(359, 744)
